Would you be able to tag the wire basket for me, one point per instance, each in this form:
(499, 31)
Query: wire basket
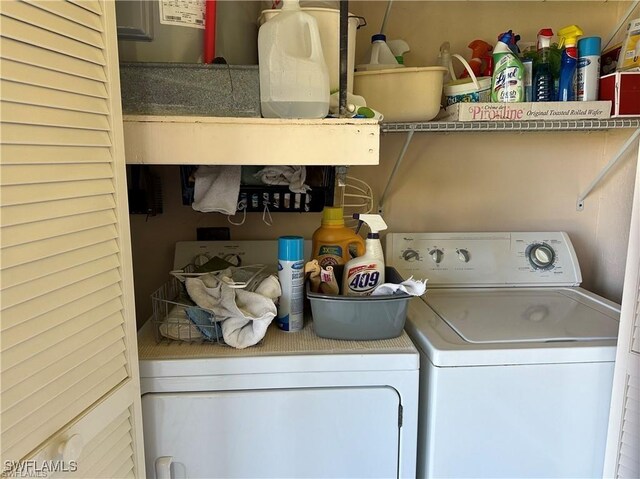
(177, 318)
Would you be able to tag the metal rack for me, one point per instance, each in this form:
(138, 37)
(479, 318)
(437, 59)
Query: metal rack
(529, 125)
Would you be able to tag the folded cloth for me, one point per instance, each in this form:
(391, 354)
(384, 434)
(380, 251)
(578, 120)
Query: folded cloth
(244, 315)
(204, 321)
(411, 286)
(294, 176)
(217, 189)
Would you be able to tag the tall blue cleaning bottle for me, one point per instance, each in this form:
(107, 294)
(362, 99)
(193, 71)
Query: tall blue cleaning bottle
(567, 86)
(543, 79)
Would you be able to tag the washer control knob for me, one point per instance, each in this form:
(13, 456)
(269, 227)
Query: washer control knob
(410, 255)
(463, 255)
(541, 255)
(436, 255)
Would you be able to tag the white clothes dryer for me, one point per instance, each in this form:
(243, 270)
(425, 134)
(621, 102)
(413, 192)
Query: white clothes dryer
(295, 405)
(516, 359)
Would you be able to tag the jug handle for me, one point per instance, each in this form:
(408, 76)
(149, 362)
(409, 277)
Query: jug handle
(467, 67)
(360, 247)
(314, 35)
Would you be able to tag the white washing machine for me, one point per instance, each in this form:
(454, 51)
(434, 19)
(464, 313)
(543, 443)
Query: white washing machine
(295, 405)
(516, 359)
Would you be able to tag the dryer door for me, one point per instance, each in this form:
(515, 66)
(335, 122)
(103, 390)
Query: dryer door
(312, 432)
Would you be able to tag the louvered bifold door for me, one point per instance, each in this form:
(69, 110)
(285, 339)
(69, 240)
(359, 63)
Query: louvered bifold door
(67, 326)
(622, 458)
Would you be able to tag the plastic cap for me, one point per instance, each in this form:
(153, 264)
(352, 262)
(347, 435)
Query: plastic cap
(290, 248)
(332, 216)
(378, 36)
(589, 46)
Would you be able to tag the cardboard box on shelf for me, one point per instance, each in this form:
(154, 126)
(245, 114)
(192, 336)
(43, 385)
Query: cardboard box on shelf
(623, 89)
(557, 110)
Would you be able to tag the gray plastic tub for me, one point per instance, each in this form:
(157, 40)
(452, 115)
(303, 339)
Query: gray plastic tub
(359, 317)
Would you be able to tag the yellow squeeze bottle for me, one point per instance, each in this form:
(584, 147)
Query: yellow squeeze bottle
(330, 242)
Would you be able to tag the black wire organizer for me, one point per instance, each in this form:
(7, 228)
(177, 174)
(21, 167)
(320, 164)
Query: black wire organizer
(256, 197)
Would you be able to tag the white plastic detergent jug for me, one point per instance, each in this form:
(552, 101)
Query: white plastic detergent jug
(294, 79)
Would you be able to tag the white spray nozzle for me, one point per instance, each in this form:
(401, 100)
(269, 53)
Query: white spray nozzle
(375, 222)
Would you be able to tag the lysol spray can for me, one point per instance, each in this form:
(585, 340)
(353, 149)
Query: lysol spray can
(588, 68)
(291, 276)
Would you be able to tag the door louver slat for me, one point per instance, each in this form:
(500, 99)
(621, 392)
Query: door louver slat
(36, 288)
(41, 77)
(36, 36)
(54, 370)
(71, 12)
(63, 296)
(38, 269)
(89, 5)
(30, 13)
(36, 56)
(40, 96)
(47, 154)
(88, 326)
(23, 214)
(45, 116)
(32, 232)
(31, 174)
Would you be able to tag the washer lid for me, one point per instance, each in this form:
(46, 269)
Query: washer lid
(520, 316)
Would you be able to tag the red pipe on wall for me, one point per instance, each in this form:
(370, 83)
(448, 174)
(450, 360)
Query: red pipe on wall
(209, 31)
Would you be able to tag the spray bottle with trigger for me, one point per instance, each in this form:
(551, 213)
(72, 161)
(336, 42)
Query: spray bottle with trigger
(567, 86)
(365, 273)
(481, 62)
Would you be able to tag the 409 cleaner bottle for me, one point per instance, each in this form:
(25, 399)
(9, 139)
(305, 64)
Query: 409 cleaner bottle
(365, 273)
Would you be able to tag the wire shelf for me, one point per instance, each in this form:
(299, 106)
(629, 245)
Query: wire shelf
(530, 125)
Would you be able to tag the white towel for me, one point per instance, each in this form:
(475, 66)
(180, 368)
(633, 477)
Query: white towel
(294, 176)
(245, 315)
(217, 189)
(411, 286)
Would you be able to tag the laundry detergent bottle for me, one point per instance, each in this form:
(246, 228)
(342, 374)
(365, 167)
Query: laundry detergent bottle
(507, 82)
(365, 273)
(331, 242)
(568, 84)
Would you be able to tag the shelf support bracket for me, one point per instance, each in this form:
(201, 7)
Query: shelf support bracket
(395, 169)
(605, 170)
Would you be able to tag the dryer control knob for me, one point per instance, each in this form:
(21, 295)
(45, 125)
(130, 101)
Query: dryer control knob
(410, 255)
(541, 255)
(436, 255)
(463, 255)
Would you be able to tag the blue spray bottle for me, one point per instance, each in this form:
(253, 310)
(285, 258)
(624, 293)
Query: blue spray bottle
(567, 87)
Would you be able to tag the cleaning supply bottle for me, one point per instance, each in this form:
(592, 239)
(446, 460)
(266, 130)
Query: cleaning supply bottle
(507, 81)
(365, 273)
(480, 62)
(444, 60)
(588, 68)
(294, 78)
(543, 79)
(567, 86)
(398, 48)
(291, 276)
(381, 54)
(331, 242)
